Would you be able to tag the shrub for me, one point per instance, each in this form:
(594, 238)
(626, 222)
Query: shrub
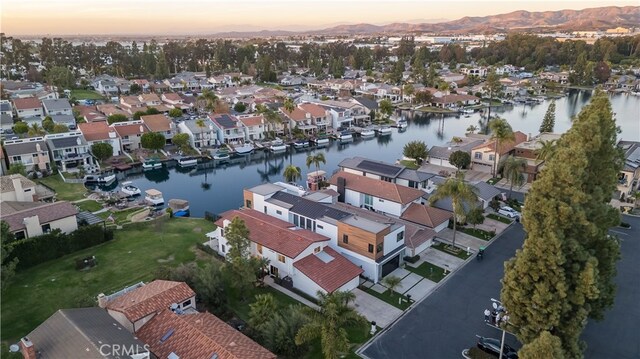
(411, 259)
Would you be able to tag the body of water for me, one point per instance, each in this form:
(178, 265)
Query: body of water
(216, 188)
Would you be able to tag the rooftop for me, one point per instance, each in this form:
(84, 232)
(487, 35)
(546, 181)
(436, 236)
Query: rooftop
(371, 166)
(328, 268)
(224, 121)
(56, 104)
(95, 131)
(308, 208)
(157, 123)
(27, 103)
(26, 146)
(46, 212)
(425, 215)
(378, 188)
(535, 143)
(6, 182)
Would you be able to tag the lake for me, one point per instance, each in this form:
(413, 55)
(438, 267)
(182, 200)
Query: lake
(219, 187)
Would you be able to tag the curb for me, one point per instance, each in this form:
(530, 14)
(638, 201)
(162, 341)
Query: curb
(368, 343)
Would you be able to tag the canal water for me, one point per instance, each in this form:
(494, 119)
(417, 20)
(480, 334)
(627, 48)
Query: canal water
(218, 187)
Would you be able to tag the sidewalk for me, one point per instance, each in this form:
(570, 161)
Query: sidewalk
(269, 281)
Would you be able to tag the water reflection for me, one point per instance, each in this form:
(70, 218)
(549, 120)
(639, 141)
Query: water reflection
(157, 175)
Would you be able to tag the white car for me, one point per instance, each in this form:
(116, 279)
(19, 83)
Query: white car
(509, 212)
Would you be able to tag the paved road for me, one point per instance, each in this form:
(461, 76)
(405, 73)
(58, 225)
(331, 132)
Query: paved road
(446, 322)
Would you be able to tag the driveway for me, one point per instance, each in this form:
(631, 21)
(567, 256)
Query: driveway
(463, 240)
(375, 309)
(446, 322)
(439, 258)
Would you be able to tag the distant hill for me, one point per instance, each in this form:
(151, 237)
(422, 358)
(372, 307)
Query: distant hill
(600, 18)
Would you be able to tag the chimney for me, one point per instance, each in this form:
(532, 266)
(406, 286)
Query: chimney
(27, 349)
(342, 182)
(102, 300)
(17, 186)
(529, 137)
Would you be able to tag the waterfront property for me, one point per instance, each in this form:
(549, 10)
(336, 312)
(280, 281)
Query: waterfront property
(629, 177)
(69, 150)
(31, 152)
(199, 136)
(485, 156)
(130, 133)
(100, 132)
(31, 219)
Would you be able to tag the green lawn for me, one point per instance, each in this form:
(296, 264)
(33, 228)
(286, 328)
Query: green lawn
(64, 191)
(458, 252)
(241, 308)
(499, 218)
(79, 94)
(434, 109)
(477, 232)
(410, 164)
(493, 180)
(389, 298)
(429, 271)
(357, 335)
(89, 205)
(120, 217)
(133, 256)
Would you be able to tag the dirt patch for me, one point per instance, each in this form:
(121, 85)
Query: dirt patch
(197, 230)
(166, 260)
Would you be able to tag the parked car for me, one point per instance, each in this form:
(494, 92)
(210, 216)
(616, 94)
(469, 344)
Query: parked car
(509, 212)
(492, 346)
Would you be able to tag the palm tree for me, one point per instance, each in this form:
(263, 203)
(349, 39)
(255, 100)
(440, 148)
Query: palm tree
(292, 173)
(289, 106)
(546, 150)
(316, 160)
(512, 169)
(209, 98)
(472, 129)
(501, 132)
(261, 311)
(392, 282)
(328, 323)
(460, 193)
(36, 130)
(201, 124)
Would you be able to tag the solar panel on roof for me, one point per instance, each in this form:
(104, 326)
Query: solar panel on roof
(381, 168)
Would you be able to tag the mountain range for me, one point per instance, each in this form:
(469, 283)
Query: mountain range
(600, 18)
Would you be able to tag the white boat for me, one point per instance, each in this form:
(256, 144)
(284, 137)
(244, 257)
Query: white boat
(277, 145)
(221, 156)
(368, 133)
(245, 149)
(154, 197)
(467, 111)
(345, 136)
(187, 161)
(129, 189)
(151, 164)
(100, 178)
(321, 141)
(300, 144)
(402, 125)
(384, 131)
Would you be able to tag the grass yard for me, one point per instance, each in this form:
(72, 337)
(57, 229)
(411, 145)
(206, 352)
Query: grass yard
(80, 94)
(357, 335)
(64, 191)
(458, 252)
(389, 298)
(410, 164)
(89, 205)
(499, 218)
(241, 308)
(493, 180)
(133, 256)
(120, 217)
(429, 271)
(477, 232)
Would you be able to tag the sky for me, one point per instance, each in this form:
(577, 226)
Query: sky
(179, 17)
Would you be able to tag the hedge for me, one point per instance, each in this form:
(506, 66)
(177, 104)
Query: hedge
(36, 250)
(411, 259)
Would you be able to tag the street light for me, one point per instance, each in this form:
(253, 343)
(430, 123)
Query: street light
(499, 303)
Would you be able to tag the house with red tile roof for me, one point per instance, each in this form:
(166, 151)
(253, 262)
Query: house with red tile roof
(99, 132)
(89, 113)
(299, 118)
(482, 156)
(254, 126)
(160, 124)
(28, 107)
(374, 194)
(285, 245)
(134, 306)
(428, 216)
(198, 336)
(130, 133)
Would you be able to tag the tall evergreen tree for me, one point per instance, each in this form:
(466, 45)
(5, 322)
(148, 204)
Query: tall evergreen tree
(239, 268)
(546, 346)
(549, 120)
(564, 272)
(162, 68)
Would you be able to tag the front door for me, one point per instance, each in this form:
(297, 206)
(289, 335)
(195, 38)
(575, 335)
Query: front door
(274, 271)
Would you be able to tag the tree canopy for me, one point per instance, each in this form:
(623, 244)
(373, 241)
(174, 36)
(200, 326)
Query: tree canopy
(102, 150)
(117, 118)
(153, 141)
(416, 150)
(549, 120)
(460, 159)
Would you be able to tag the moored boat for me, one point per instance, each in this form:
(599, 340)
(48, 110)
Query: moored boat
(187, 161)
(154, 197)
(179, 207)
(345, 136)
(245, 149)
(321, 141)
(368, 133)
(100, 178)
(221, 155)
(277, 145)
(129, 189)
(151, 163)
(300, 144)
(384, 131)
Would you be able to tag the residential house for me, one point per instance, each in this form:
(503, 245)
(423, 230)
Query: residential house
(482, 155)
(375, 246)
(89, 113)
(174, 100)
(345, 114)
(100, 132)
(3, 162)
(130, 134)
(528, 150)
(293, 81)
(17, 188)
(479, 71)
(21, 88)
(6, 116)
(254, 126)
(69, 150)
(105, 85)
(59, 106)
(136, 305)
(374, 194)
(318, 115)
(198, 336)
(124, 85)
(143, 83)
(629, 177)
(150, 99)
(32, 152)
(204, 136)
(132, 104)
(111, 109)
(228, 129)
(303, 258)
(388, 172)
(435, 218)
(66, 120)
(29, 107)
(32, 219)
(559, 77)
(368, 103)
(159, 87)
(81, 333)
(439, 155)
(160, 124)
(450, 100)
(299, 119)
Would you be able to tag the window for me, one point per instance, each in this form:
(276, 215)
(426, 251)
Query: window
(34, 155)
(368, 201)
(223, 248)
(186, 303)
(413, 184)
(265, 209)
(46, 228)
(317, 249)
(345, 239)
(309, 224)
(259, 247)
(491, 157)
(221, 232)
(379, 248)
(296, 220)
(279, 212)
(319, 226)
(400, 236)
(16, 159)
(380, 200)
(19, 235)
(281, 258)
(370, 248)
(247, 203)
(477, 155)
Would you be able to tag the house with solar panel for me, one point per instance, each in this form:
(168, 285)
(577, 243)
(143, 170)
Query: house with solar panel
(228, 128)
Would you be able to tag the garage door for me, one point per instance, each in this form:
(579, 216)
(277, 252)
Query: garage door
(391, 265)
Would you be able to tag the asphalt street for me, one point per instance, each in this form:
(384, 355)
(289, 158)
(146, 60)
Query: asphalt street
(447, 321)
